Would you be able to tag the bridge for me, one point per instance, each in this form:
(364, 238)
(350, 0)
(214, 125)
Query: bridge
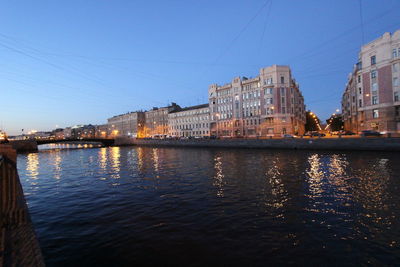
(31, 145)
(105, 142)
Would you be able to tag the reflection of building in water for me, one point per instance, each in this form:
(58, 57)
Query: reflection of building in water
(219, 176)
(267, 105)
(57, 166)
(32, 165)
(103, 157)
(337, 165)
(315, 175)
(154, 153)
(371, 191)
(115, 162)
(140, 156)
(278, 191)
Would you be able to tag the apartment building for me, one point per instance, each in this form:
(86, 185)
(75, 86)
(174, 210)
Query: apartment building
(156, 120)
(371, 99)
(191, 121)
(270, 104)
(128, 124)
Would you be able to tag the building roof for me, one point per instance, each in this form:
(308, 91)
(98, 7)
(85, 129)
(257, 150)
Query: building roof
(191, 108)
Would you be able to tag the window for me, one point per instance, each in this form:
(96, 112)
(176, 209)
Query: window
(359, 90)
(375, 113)
(397, 111)
(375, 87)
(396, 96)
(282, 79)
(360, 103)
(373, 74)
(283, 110)
(395, 81)
(374, 100)
(394, 53)
(268, 91)
(373, 60)
(359, 78)
(395, 67)
(269, 101)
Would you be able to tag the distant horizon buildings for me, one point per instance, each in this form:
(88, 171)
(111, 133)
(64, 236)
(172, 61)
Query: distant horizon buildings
(371, 99)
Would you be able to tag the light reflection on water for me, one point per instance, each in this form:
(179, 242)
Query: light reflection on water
(126, 206)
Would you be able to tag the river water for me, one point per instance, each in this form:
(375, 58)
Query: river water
(143, 206)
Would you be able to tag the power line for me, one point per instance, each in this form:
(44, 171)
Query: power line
(362, 23)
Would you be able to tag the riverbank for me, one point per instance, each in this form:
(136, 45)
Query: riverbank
(358, 144)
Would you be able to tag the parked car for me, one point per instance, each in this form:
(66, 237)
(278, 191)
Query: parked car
(348, 133)
(317, 134)
(370, 133)
(289, 136)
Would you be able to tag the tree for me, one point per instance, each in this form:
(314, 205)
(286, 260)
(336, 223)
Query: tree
(335, 122)
(312, 122)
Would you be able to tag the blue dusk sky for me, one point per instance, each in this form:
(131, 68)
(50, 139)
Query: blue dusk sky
(83, 61)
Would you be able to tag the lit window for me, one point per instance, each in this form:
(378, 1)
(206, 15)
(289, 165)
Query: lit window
(374, 100)
(375, 113)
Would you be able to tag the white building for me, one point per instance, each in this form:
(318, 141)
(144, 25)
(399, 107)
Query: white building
(192, 121)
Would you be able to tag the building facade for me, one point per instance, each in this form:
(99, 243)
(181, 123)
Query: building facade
(128, 124)
(102, 131)
(371, 100)
(156, 120)
(270, 104)
(190, 122)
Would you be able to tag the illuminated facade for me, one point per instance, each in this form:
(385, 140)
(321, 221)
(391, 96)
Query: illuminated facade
(128, 124)
(102, 131)
(270, 104)
(156, 120)
(371, 100)
(190, 122)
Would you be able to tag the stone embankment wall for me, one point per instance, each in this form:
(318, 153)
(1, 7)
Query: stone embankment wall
(18, 243)
(371, 144)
